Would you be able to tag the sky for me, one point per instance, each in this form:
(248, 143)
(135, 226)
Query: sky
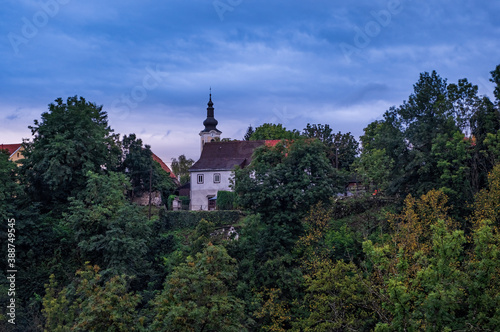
(151, 64)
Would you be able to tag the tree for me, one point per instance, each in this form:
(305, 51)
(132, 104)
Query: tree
(464, 99)
(197, 295)
(284, 181)
(338, 298)
(71, 139)
(269, 131)
(145, 173)
(427, 113)
(90, 304)
(484, 122)
(383, 153)
(9, 187)
(453, 160)
(495, 78)
(181, 167)
(137, 163)
(486, 205)
(342, 148)
(281, 184)
(109, 230)
(249, 133)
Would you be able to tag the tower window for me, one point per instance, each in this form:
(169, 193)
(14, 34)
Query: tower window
(217, 178)
(200, 178)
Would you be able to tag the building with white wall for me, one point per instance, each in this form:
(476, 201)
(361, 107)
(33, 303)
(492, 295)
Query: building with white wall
(214, 170)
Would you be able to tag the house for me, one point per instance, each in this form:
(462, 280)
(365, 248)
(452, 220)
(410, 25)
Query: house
(15, 151)
(214, 170)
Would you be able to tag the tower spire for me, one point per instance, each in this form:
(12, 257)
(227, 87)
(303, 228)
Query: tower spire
(210, 133)
(210, 123)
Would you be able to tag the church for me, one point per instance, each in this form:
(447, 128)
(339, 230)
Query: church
(214, 170)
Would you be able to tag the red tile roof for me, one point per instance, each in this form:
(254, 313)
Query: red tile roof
(164, 166)
(11, 148)
(272, 142)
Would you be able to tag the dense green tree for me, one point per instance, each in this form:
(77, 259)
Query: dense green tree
(453, 160)
(427, 113)
(91, 304)
(383, 153)
(483, 268)
(181, 167)
(109, 230)
(137, 164)
(341, 148)
(249, 133)
(270, 131)
(197, 295)
(464, 99)
(71, 139)
(284, 181)
(495, 78)
(9, 186)
(144, 172)
(338, 298)
(281, 184)
(485, 121)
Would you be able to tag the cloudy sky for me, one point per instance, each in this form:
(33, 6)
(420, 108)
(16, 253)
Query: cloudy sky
(151, 63)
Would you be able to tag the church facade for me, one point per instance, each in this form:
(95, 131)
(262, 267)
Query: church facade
(214, 170)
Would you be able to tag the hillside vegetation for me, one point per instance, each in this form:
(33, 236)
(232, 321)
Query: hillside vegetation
(416, 248)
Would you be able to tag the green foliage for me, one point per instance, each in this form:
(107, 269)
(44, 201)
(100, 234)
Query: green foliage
(483, 268)
(485, 122)
(383, 153)
(269, 131)
(225, 200)
(453, 159)
(284, 181)
(197, 295)
(171, 220)
(143, 171)
(201, 236)
(9, 187)
(107, 228)
(90, 304)
(338, 298)
(341, 148)
(249, 133)
(495, 78)
(72, 139)
(181, 167)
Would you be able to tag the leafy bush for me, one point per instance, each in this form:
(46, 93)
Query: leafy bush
(225, 200)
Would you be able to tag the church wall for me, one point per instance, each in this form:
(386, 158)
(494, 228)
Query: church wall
(201, 191)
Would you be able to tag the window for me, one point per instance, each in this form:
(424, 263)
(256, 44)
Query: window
(217, 178)
(200, 178)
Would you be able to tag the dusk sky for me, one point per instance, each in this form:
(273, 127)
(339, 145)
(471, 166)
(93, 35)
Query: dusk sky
(151, 63)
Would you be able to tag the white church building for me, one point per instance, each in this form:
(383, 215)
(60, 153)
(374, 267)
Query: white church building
(213, 171)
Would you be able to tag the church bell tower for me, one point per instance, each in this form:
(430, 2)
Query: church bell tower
(210, 133)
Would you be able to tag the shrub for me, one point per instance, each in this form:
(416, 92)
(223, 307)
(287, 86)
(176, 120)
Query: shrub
(225, 200)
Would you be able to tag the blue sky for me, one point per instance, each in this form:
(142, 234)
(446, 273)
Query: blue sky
(151, 63)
